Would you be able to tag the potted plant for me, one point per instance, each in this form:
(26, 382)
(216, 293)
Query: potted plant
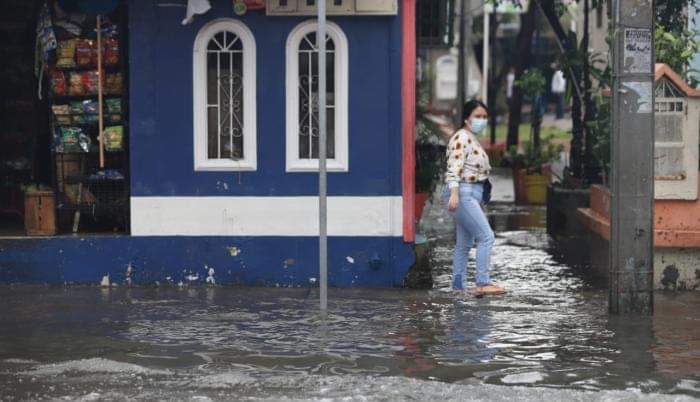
(532, 170)
(39, 210)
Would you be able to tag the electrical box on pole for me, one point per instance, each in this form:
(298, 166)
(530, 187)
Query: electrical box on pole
(632, 167)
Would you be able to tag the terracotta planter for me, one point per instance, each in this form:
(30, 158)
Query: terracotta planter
(40, 213)
(420, 200)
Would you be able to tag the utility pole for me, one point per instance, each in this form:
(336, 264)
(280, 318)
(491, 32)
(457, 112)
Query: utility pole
(465, 28)
(322, 182)
(632, 184)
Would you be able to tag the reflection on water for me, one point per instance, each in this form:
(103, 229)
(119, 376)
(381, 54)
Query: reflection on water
(551, 333)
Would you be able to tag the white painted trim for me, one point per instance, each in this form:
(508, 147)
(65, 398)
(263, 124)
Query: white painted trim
(340, 162)
(199, 76)
(265, 216)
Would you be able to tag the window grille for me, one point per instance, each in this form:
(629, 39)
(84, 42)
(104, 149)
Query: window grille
(434, 22)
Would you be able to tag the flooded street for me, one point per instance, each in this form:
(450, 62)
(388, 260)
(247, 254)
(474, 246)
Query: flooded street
(549, 338)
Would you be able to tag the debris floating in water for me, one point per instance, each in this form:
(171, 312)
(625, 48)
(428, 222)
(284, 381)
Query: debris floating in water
(105, 281)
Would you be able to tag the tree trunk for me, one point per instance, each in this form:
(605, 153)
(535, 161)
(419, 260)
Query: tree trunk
(493, 81)
(527, 28)
(569, 49)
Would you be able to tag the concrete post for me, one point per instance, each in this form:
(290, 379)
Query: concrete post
(322, 180)
(632, 173)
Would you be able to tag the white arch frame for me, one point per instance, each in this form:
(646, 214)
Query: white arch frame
(199, 81)
(293, 162)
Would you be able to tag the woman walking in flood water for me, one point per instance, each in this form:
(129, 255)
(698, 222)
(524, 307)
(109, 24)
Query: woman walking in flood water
(467, 189)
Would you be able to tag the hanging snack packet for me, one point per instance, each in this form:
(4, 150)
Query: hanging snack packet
(61, 114)
(83, 52)
(84, 141)
(58, 83)
(77, 119)
(114, 138)
(60, 109)
(69, 138)
(76, 107)
(65, 53)
(111, 51)
(76, 85)
(90, 82)
(113, 105)
(114, 84)
(90, 106)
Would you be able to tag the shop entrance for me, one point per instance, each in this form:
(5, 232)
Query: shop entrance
(59, 176)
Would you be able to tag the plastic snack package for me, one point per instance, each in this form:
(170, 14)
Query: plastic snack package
(114, 84)
(84, 52)
(65, 54)
(111, 51)
(113, 106)
(70, 138)
(90, 82)
(76, 85)
(114, 138)
(84, 141)
(60, 109)
(58, 83)
(91, 106)
(76, 107)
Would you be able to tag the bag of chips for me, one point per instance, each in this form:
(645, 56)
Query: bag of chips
(77, 119)
(114, 84)
(58, 83)
(113, 105)
(111, 51)
(114, 138)
(91, 106)
(113, 118)
(84, 52)
(70, 138)
(90, 82)
(65, 53)
(76, 85)
(60, 109)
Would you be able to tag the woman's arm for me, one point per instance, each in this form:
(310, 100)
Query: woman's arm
(455, 166)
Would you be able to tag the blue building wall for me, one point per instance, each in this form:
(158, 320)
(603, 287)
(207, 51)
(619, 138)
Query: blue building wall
(161, 165)
(161, 107)
(260, 261)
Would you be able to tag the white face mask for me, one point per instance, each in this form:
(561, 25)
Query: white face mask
(478, 125)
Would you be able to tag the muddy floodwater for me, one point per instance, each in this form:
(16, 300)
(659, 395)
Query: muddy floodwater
(549, 338)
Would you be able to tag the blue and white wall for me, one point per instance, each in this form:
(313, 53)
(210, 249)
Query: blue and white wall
(268, 215)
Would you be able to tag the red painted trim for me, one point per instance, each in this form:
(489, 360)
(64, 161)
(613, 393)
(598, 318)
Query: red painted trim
(408, 115)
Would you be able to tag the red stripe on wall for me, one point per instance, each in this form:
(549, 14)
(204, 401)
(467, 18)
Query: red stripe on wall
(408, 115)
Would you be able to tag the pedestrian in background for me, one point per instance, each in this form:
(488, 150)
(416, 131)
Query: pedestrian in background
(558, 89)
(467, 190)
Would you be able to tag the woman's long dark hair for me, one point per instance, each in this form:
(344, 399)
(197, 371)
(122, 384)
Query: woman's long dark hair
(469, 107)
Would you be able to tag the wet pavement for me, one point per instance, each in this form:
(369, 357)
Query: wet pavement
(550, 338)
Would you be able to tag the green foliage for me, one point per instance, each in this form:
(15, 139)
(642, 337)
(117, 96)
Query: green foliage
(533, 159)
(676, 49)
(429, 155)
(532, 82)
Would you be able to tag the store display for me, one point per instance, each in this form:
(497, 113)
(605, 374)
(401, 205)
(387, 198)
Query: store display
(89, 176)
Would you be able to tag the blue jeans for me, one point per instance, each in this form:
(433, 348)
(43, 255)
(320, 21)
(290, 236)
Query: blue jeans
(471, 224)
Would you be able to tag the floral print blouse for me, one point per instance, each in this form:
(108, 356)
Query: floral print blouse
(466, 160)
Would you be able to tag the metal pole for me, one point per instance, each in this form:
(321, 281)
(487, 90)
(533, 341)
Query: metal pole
(485, 53)
(322, 206)
(632, 173)
(462, 70)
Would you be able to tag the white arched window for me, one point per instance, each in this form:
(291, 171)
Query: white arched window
(224, 97)
(302, 98)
